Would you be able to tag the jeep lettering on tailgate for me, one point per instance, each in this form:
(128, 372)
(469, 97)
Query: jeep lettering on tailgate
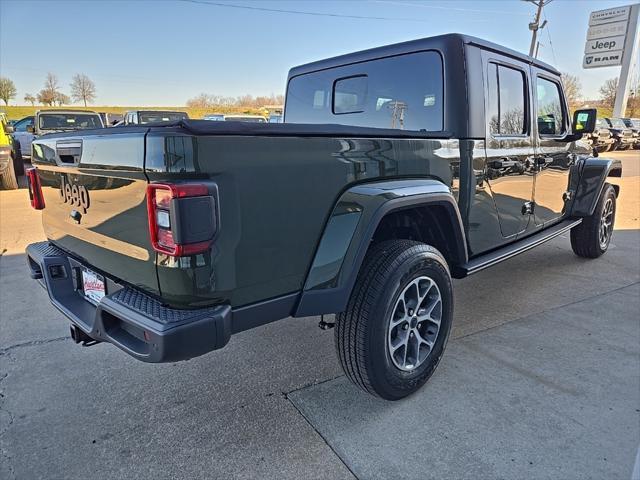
(75, 195)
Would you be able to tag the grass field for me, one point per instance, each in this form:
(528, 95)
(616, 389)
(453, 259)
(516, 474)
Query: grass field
(20, 111)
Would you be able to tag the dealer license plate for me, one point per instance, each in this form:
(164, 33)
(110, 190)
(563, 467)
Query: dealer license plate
(92, 286)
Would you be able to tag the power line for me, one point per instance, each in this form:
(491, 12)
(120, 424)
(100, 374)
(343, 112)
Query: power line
(553, 52)
(301, 12)
(459, 9)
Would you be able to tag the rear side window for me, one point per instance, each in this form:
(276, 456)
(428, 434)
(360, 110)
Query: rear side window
(550, 113)
(507, 110)
(404, 92)
(349, 95)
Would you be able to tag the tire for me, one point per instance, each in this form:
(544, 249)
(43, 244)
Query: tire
(8, 178)
(365, 341)
(592, 237)
(18, 162)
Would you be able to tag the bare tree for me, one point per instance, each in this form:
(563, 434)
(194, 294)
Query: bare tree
(7, 90)
(205, 100)
(83, 89)
(30, 99)
(633, 104)
(62, 99)
(608, 92)
(51, 91)
(572, 90)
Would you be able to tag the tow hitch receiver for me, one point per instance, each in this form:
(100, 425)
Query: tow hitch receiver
(78, 336)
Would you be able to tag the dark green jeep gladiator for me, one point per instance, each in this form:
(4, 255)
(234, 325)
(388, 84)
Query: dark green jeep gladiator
(396, 169)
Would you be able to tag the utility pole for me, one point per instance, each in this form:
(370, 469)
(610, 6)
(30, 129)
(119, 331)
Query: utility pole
(535, 25)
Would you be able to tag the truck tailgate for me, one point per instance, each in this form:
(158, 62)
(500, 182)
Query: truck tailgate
(94, 190)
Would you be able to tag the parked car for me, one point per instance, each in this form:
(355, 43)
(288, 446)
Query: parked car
(634, 125)
(275, 118)
(214, 117)
(11, 166)
(143, 117)
(111, 119)
(622, 135)
(54, 121)
(23, 136)
(218, 117)
(601, 139)
(376, 191)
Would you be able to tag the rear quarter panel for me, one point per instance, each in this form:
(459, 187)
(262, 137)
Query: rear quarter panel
(276, 194)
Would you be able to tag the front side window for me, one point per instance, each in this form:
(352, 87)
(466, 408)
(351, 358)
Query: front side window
(404, 92)
(21, 126)
(550, 113)
(506, 111)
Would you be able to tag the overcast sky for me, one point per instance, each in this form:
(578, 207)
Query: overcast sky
(164, 52)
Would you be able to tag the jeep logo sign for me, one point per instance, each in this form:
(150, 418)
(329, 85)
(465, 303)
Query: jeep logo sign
(604, 45)
(75, 195)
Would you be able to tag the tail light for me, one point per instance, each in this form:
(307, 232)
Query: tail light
(35, 189)
(182, 218)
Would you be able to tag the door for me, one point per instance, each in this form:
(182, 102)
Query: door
(509, 146)
(23, 137)
(554, 156)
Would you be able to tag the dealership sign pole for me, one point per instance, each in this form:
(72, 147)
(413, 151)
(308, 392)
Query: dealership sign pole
(612, 40)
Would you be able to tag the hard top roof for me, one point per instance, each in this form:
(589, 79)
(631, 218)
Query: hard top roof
(454, 41)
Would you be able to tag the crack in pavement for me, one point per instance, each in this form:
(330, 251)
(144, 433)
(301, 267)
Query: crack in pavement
(31, 343)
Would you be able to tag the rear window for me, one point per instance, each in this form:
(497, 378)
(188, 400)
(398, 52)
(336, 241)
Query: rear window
(68, 121)
(154, 117)
(403, 92)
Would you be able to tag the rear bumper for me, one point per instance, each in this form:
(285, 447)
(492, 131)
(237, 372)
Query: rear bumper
(126, 317)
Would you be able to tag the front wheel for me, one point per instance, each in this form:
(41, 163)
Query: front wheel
(591, 238)
(394, 331)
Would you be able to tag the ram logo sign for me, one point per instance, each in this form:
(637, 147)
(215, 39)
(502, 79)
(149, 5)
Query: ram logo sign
(602, 60)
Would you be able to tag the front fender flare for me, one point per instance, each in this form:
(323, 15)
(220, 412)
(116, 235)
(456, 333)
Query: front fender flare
(349, 230)
(592, 180)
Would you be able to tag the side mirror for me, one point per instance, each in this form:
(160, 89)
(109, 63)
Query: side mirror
(584, 121)
(31, 129)
(9, 129)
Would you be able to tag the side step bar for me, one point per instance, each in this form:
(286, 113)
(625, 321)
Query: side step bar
(489, 259)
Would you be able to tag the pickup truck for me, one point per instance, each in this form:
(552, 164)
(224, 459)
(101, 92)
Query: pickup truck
(633, 124)
(143, 117)
(601, 139)
(396, 170)
(58, 121)
(623, 136)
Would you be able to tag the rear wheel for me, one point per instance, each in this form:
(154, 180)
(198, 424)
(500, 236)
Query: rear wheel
(591, 238)
(8, 176)
(394, 331)
(18, 162)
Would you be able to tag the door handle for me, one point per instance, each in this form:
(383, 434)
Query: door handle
(544, 160)
(502, 163)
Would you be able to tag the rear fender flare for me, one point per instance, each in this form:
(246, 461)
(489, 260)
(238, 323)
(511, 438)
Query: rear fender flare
(350, 228)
